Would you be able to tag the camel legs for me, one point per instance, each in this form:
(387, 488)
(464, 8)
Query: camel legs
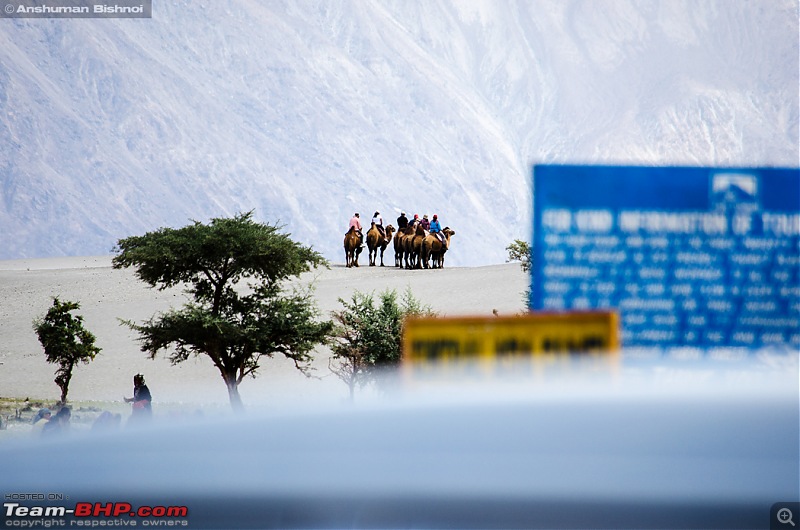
(351, 258)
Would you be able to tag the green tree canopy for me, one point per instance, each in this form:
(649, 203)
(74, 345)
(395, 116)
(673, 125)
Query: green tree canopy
(65, 341)
(234, 325)
(520, 251)
(367, 335)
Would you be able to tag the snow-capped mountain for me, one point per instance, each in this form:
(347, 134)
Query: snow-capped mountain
(310, 111)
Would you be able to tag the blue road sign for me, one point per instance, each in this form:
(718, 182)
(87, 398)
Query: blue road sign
(689, 256)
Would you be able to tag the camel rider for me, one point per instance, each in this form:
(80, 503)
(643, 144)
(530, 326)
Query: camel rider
(355, 224)
(402, 221)
(436, 229)
(426, 225)
(377, 220)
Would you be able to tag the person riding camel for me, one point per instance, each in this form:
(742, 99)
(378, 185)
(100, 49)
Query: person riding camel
(426, 225)
(355, 224)
(377, 220)
(436, 230)
(402, 221)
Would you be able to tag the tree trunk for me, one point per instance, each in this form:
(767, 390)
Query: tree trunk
(62, 379)
(64, 390)
(233, 393)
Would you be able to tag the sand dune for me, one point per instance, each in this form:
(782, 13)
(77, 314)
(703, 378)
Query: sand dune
(107, 295)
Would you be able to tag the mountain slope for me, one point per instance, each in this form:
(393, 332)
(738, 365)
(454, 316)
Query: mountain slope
(307, 112)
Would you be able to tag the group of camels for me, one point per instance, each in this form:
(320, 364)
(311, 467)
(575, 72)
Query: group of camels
(414, 247)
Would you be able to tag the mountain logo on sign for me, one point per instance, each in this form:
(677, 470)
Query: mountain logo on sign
(734, 191)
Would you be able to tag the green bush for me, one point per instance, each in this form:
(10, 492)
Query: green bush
(367, 335)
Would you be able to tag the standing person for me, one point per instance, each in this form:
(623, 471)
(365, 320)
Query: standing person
(426, 225)
(402, 222)
(40, 420)
(141, 408)
(355, 224)
(377, 220)
(58, 424)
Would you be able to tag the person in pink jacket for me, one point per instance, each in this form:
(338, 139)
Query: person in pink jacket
(355, 223)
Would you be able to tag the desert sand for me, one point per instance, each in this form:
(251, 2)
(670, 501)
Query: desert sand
(107, 295)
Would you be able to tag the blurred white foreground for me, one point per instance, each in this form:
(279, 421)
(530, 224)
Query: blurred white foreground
(631, 442)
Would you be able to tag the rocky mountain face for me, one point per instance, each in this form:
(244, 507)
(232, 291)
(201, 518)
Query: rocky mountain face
(309, 111)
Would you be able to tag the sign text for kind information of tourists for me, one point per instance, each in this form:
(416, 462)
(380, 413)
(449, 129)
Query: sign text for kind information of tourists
(704, 257)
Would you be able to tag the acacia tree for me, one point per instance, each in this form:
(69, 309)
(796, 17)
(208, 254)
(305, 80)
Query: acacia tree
(65, 341)
(234, 325)
(368, 337)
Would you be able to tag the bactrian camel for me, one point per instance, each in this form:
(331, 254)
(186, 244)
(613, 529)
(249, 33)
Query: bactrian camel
(432, 249)
(375, 242)
(352, 247)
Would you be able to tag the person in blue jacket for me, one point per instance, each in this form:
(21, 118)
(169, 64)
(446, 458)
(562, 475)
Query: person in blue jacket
(436, 229)
(435, 226)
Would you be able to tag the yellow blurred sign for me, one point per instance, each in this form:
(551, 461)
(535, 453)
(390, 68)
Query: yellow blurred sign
(532, 334)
